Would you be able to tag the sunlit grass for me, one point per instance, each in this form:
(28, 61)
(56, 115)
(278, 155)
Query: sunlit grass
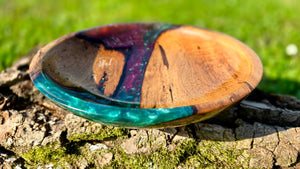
(266, 26)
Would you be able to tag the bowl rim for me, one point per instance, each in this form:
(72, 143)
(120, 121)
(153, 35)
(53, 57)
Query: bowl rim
(255, 77)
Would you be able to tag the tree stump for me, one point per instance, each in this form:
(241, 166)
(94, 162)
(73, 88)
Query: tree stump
(262, 131)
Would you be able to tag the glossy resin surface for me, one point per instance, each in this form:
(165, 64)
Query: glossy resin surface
(146, 74)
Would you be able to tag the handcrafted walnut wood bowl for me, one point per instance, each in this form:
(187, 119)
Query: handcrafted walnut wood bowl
(146, 74)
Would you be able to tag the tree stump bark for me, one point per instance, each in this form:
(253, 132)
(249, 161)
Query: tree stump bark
(262, 131)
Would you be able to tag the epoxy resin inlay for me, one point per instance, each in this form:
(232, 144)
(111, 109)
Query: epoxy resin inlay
(146, 74)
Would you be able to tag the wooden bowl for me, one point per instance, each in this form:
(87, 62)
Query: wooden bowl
(146, 74)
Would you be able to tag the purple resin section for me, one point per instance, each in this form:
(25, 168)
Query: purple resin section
(136, 42)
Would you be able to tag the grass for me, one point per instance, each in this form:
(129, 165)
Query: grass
(266, 26)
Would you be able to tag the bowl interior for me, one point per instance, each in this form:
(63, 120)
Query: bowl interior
(153, 66)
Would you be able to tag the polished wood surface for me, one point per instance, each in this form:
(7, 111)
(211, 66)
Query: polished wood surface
(107, 69)
(188, 66)
(70, 64)
(191, 66)
(146, 75)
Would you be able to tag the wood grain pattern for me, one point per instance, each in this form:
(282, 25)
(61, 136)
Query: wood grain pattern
(191, 66)
(80, 65)
(146, 75)
(107, 69)
(70, 64)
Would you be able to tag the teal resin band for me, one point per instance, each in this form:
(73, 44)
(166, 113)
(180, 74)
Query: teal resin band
(146, 75)
(118, 116)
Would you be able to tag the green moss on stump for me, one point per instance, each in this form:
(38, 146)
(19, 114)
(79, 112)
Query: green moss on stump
(190, 153)
(71, 149)
(46, 155)
(105, 132)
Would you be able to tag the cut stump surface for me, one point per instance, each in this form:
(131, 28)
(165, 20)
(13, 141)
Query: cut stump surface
(262, 131)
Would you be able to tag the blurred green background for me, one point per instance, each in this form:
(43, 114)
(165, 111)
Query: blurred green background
(267, 26)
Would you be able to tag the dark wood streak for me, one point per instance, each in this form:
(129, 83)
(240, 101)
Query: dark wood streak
(250, 87)
(103, 79)
(210, 77)
(178, 72)
(164, 57)
(195, 110)
(170, 89)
